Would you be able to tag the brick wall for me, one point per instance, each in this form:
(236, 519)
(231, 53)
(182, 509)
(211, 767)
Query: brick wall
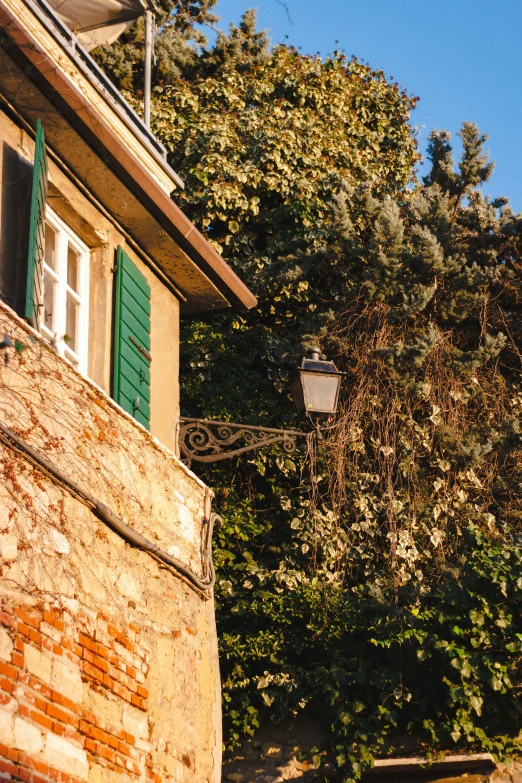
(43, 725)
(108, 661)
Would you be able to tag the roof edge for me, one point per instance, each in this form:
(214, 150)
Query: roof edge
(83, 60)
(140, 181)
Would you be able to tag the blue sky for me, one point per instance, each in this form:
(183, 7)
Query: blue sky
(462, 57)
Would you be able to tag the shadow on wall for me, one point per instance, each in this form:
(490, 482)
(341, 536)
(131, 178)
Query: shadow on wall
(288, 752)
(280, 753)
(14, 227)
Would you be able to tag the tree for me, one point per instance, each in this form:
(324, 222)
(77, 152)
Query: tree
(263, 142)
(177, 40)
(243, 47)
(382, 578)
(392, 592)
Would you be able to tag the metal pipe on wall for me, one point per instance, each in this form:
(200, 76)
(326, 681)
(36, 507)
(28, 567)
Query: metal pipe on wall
(203, 585)
(149, 46)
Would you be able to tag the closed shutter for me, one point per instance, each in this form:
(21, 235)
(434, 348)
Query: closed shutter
(131, 382)
(34, 285)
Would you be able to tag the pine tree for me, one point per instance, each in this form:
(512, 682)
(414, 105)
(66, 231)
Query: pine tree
(177, 42)
(243, 47)
(474, 168)
(381, 581)
(400, 572)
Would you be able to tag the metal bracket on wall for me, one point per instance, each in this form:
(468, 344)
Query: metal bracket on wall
(205, 440)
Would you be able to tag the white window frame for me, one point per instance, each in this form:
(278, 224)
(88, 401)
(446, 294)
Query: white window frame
(64, 237)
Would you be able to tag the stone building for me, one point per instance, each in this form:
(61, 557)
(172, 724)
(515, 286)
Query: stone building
(108, 659)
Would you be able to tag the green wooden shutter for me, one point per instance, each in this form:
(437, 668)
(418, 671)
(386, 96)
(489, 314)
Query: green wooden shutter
(131, 380)
(34, 285)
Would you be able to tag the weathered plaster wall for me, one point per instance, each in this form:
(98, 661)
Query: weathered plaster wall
(108, 661)
(102, 237)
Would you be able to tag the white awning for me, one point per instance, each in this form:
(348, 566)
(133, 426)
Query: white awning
(98, 22)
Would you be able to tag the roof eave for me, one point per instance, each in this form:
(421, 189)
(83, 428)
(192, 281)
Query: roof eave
(159, 203)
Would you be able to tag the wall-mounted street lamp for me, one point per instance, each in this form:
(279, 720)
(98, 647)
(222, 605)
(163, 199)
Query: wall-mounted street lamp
(315, 389)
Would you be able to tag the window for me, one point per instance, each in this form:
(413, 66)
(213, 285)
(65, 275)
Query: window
(64, 310)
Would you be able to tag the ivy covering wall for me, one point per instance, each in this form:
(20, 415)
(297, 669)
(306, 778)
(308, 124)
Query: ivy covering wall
(380, 579)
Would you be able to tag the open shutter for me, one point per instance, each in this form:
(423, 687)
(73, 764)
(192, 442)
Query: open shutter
(131, 382)
(34, 285)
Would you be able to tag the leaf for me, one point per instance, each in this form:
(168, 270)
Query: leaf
(477, 618)
(317, 761)
(496, 683)
(20, 347)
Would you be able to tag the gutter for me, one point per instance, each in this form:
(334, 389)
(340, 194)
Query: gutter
(92, 71)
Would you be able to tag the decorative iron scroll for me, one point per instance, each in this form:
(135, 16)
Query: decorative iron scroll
(204, 440)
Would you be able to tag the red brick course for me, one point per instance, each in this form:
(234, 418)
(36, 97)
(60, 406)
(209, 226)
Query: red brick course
(17, 765)
(101, 667)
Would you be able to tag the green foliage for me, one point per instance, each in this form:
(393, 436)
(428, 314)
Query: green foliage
(263, 144)
(177, 39)
(379, 580)
(440, 669)
(388, 590)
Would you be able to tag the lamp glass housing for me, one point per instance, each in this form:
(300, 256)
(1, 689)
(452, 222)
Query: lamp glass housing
(315, 388)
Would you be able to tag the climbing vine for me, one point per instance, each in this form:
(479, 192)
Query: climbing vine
(386, 586)
(382, 589)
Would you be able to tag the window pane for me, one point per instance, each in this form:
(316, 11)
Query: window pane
(71, 326)
(49, 300)
(50, 246)
(73, 267)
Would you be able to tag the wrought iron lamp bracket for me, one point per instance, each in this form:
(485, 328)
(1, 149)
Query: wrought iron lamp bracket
(205, 440)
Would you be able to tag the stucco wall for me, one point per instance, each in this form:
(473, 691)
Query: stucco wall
(102, 236)
(108, 661)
